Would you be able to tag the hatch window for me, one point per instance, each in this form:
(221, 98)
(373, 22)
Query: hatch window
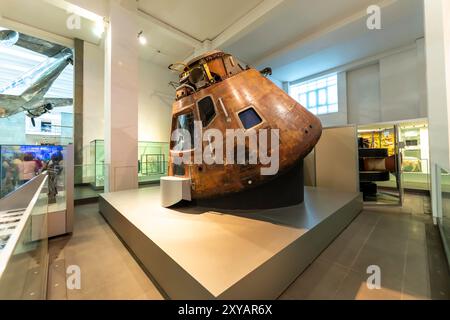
(206, 110)
(249, 118)
(184, 122)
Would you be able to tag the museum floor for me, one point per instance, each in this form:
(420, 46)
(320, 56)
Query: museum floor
(402, 241)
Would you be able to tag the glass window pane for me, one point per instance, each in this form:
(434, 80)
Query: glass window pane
(312, 86)
(302, 100)
(184, 135)
(332, 94)
(333, 108)
(322, 97)
(293, 91)
(206, 110)
(312, 99)
(249, 118)
(322, 83)
(332, 80)
(322, 110)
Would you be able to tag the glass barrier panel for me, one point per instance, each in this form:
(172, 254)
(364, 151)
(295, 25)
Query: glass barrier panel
(444, 221)
(56, 186)
(25, 276)
(87, 188)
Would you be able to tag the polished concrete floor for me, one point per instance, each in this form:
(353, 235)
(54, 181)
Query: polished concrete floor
(82, 192)
(402, 241)
(108, 271)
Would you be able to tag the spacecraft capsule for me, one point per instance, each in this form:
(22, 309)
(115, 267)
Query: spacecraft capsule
(233, 122)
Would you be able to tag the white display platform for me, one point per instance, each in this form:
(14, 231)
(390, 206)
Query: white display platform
(195, 253)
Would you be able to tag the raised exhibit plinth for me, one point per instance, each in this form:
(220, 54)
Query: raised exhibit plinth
(195, 253)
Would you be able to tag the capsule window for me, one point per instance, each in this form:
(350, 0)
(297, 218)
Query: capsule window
(184, 123)
(206, 110)
(249, 118)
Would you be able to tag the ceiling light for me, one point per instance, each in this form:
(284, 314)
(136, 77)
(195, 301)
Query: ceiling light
(99, 28)
(142, 39)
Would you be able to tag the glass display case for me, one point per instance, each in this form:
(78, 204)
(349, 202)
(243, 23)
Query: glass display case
(20, 163)
(97, 158)
(152, 161)
(414, 150)
(379, 138)
(379, 162)
(415, 155)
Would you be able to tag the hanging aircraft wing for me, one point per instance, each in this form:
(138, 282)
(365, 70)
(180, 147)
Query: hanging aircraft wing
(58, 102)
(10, 37)
(38, 45)
(10, 105)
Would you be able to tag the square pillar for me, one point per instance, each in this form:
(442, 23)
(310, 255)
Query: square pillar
(121, 100)
(437, 50)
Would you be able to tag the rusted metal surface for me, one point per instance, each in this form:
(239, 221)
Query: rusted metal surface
(234, 90)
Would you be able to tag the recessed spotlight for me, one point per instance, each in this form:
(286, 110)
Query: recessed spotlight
(142, 39)
(99, 28)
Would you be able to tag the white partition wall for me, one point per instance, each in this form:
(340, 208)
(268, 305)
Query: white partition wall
(336, 159)
(121, 100)
(437, 50)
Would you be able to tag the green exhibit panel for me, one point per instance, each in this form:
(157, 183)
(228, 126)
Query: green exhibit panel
(152, 162)
(97, 158)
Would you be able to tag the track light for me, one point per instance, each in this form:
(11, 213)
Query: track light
(142, 39)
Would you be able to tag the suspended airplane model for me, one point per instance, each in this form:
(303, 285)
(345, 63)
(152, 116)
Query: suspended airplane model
(37, 81)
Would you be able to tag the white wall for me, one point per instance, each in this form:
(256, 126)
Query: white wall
(390, 86)
(155, 99)
(399, 87)
(437, 38)
(155, 102)
(422, 77)
(437, 45)
(393, 89)
(339, 144)
(93, 98)
(363, 95)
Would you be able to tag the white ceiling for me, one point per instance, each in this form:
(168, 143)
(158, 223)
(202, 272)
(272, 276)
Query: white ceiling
(201, 19)
(325, 35)
(290, 21)
(296, 38)
(162, 48)
(45, 17)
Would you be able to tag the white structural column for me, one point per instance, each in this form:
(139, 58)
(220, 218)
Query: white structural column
(121, 100)
(437, 48)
